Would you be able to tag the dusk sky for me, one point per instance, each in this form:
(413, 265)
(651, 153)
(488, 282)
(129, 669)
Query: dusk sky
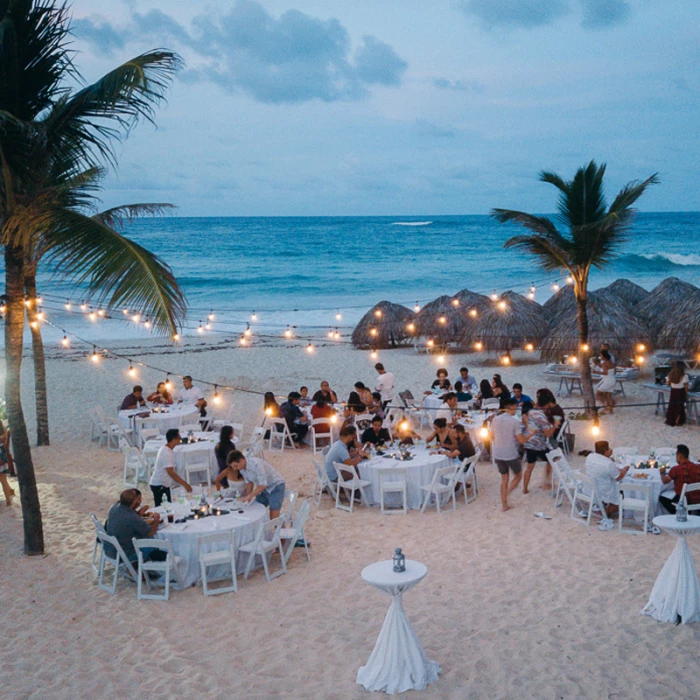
(364, 107)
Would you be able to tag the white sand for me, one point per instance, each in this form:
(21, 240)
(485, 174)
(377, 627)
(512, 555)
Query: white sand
(513, 606)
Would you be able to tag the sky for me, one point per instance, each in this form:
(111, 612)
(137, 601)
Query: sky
(402, 107)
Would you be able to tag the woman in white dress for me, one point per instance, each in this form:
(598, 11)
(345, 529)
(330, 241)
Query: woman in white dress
(605, 387)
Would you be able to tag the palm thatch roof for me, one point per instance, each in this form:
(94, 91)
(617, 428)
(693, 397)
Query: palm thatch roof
(442, 319)
(562, 302)
(609, 321)
(385, 325)
(627, 291)
(506, 324)
(664, 300)
(681, 331)
(472, 300)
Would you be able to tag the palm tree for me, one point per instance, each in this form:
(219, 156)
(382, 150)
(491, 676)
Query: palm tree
(594, 234)
(52, 141)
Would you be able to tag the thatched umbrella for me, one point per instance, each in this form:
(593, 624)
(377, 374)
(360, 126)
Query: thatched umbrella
(681, 331)
(562, 302)
(629, 292)
(384, 325)
(442, 319)
(510, 322)
(664, 300)
(609, 321)
(472, 301)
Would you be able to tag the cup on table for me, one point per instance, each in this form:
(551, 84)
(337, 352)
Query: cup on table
(171, 517)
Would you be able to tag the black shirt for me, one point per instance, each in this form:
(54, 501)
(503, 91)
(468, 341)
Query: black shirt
(370, 436)
(465, 447)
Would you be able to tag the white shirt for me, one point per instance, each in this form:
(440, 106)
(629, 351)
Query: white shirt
(605, 473)
(445, 412)
(680, 385)
(259, 473)
(385, 386)
(504, 428)
(164, 459)
(191, 396)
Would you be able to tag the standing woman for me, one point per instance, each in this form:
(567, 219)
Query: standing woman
(678, 381)
(223, 448)
(605, 387)
(5, 459)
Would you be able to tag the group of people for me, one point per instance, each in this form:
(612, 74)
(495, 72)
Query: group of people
(189, 395)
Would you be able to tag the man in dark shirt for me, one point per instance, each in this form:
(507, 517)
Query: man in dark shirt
(684, 473)
(463, 445)
(376, 435)
(125, 521)
(134, 399)
(296, 419)
(325, 393)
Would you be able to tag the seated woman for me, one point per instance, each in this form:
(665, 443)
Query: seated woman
(321, 409)
(365, 395)
(485, 392)
(223, 448)
(500, 390)
(353, 406)
(441, 433)
(462, 446)
(376, 407)
(442, 383)
(161, 395)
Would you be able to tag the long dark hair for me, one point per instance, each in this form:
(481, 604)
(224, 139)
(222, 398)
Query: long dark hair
(485, 389)
(269, 401)
(225, 444)
(677, 372)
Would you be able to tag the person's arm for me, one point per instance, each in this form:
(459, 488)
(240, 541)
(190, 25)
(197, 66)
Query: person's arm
(622, 473)
(218, 482)
(154, 525)
(430, 437)
(252, 490)
(173, 475)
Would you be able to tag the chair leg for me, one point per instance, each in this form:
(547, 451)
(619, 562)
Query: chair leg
(249, 564)
(267, 570)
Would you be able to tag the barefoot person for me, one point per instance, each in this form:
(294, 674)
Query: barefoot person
(507, 432)
(5, 461)
(606, 386)
(535, 420)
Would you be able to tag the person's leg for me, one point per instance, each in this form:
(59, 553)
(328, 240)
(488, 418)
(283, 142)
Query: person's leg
(669, 503)
(7, 489)
(158, 493)
(276, 498)
(516, 468)
(504, 492)
(611, 509)
(528, 474)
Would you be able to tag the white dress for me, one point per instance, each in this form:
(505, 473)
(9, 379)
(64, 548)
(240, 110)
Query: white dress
(607, 382)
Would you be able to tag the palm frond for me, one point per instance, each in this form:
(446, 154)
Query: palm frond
(118, 217)
(630, 193)
(549, 255)
(115, 270)
(538, 224)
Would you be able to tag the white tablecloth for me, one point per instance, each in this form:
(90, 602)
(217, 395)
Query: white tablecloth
(398, 662)
(165, 420)
(653, 478)
(676, 593)
(207, 444)
(183, 538)
(419, 472)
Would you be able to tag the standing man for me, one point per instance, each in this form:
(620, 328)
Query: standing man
(385, 384)
(192, 396)
(468, 382)
(684, 473)
(507, 432)
(164, 475)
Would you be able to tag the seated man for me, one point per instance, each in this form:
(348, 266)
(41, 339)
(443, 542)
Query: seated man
(377, 408)
(164, 476)
(134, 399)
(343, 450)
(376, 435)
(263, 482)
(607, 474)
(468, 382)
(684, 473)
(448, 408)
(304, 393)
(462, 394)
(325, 393)
(192, 396)
(125, 522)
(519, 396)
(296, 419)
(462, 446)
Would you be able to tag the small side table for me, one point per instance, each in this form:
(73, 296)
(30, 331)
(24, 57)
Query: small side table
(398, 662)
(676, 593)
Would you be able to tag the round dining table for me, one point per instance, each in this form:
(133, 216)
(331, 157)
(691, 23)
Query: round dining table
(164, 417)
(206, 443)
(646, 476)
(244, 520)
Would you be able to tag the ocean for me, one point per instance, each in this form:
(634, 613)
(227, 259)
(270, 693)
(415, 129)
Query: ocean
(304, 271)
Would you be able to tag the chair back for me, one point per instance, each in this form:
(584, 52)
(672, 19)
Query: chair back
(120, 557)
(490, 403)
(198, 457)
(689, 488)
(288, 512)
(152, 543)
(340, 468)
(449, 473)
(99, 527)
(634, 489)
(210, 542)
(621, 451)
(362, 422)
(302, 515)
(468, 464)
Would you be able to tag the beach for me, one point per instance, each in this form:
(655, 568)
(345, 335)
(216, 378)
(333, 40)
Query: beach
(513, 605)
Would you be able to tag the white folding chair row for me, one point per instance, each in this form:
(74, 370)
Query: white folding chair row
(267, 541)
(585, 491)
(321, 433)
(689, 488)
(170, 566)
(322, 482)
(349, 485)
(443, 483)
(210, 553)
(634, 503)
(280, 437)
(111, 431)
(256, 445)
(562, 475)
(295, 531)
(393, 480)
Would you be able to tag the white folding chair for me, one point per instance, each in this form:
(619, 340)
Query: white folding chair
(119, 562)
(146, 434)
(490, 404)
(267, 541)
(256, 445)
(561, 441)
(220, 420)
(362, 422)
(634, 503)
(585, 491)
(196, 462)
(349, 485)
(689, 488)
(562, 474)
(393, 480)
(217, 549)
(295, 532)
(290, 497)
(171, 565)
(134, 466)
(189, 428)
(320, 431)
(97, 428)
(98, 543)
(622, 451)
(438, 487)
(111, 431)
(322, 482)
(279, 434)
(466, 475)
(664, 453)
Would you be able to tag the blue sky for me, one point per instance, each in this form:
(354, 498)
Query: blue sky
(370, 107)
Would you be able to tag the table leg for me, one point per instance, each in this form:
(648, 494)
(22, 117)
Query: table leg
(675, 596)
(398, 662)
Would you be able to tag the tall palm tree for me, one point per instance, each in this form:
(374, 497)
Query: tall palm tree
(593, 236)
(51, 138)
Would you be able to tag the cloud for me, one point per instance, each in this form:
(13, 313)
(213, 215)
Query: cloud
(601, 14)
(293, 58)
(99, 33)
(427, 128)
(457, 85)
(516, 13)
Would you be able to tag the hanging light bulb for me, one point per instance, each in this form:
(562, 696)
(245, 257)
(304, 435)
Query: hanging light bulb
(529, 347)
(65, 342)
(83, 307)
(94, 357)
(68, 306)
(573, 360)
(440, 359)
(3, 309)
(336, 335)
(374, 354)
(478, 346)
(288, 332)
(373, 331)
(330, 333)
(455, 302)
(411, 327)
(253, 316)
(217, 398)
(484, 430)
(472, 313)
(494, 296)
(569, 280)
(207, 326)
(531, 295)
(378, 313)
(247, 332)
(132, 371)
(34, 324)
(243, 340)
(168, 383)
(100, 312)
(639, 359)
(27, 302)
(555, 287)
(136, 318)
(404, 425)
(595, 430)
(333, 419)
(641, 347)
(416, 308)
(176, 337)
(585, 347)
(309, 348)
(211, 315)
(200, 328)
(147, 324)
(268, 411)
(430, 342)
(124, 311)
(505, 359)
(40, 315)
(533, 289)
(92, 316)
(442, 320)
(502, 305)
(39, 300)
(338, 316)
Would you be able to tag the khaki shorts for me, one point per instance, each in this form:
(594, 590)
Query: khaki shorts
(515, 465)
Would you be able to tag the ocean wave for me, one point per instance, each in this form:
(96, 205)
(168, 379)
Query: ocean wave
(659, 262)
(411, 223)
(675, 258)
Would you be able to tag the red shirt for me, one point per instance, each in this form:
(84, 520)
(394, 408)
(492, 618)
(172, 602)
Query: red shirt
(686, 473)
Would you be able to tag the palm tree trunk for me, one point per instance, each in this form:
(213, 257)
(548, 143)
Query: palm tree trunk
(586, 378)
(40, 390)
(14, 327)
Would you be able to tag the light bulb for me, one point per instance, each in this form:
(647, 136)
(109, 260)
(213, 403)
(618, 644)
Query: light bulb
(288, 333)
(573, 359)
(569, 280)
(217, 398)
(39, 300)
(334, 419)
(338, 316)
(65, 342)
(585, 347)
(247, 332)
(92, 316)
(472, 313)
(100, 312)
(168, 383)
(531, 295)
(27, 302)
(494, 297)
(533, 289)
(373, 331)
(40, 315)
(595, 430)
(146, 324)
(455, 302)
(309, 348)
(478, 346)
(242, 340)
(136, 318)
(440, 358)
(211, 315)
(403, 425)
(95, 357)
(68, 305)
(442, 320)
(330, 332)
(268, 411)
(641, 347)
(124, 311)
(555, 287)
(253, 316)
(132, 371)
(3, 309)
(34, 324)
(374, 354)
(411, 327)
(483, 432)
(200, 328)
(336, 335)
(529, 347)
(416, 308)
(430, 342)
(640, 359)
(502, 305)
(378, 313)
(505, 360)
(176, 337)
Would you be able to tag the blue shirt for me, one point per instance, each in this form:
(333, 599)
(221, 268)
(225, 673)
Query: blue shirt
(523, 398)
(338, 453)
(471, 384)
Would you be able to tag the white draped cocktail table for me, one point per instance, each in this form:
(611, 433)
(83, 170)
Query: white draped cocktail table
(398, 662)
(676, 593)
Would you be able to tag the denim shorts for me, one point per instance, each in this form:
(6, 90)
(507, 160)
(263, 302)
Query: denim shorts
(274, 498)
